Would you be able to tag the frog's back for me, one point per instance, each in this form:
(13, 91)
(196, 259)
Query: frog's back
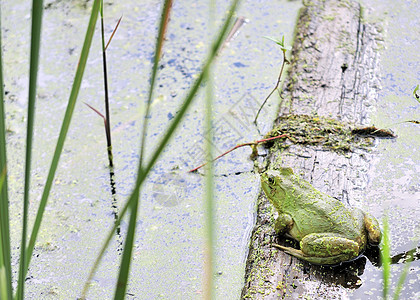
(315, 219)
(316, 212)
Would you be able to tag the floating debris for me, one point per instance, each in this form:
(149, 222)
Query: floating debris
(322, 131)
(375, 132)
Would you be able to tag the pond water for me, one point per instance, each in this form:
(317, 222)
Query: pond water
(394, 186)
(168, 254)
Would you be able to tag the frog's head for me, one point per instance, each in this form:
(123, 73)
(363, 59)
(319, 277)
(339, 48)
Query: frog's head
(275, 183)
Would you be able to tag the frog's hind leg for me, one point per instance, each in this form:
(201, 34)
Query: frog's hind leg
(328, 245)
(372, 228)
(325, 248)
(331, 260)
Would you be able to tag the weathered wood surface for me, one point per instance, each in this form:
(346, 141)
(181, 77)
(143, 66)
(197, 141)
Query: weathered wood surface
(334, 72)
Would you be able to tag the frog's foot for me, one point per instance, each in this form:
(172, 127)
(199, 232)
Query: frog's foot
(372, 228)
(332, 260)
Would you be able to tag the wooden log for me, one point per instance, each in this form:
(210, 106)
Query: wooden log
(333, 72)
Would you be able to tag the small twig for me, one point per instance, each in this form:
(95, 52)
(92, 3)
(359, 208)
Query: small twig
(113, 32)
(275, 88)
(239, 22)
(95, 110)
(242, 145)
(107, 131)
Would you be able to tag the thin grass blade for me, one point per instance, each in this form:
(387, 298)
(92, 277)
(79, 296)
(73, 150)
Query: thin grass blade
(64, 128)
(158, 51)
(126, 258)
(209, 194)
(3, 279)
(385, 258)
(37, 8)
(5, 260)
(209, 204)
(107, 114)
(164, 141)
(193, 91)
(128, 250)
(404, 273)
(4, 293)
(113, 32)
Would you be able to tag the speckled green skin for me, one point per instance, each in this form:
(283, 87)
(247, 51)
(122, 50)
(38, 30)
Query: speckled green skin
(329, 233)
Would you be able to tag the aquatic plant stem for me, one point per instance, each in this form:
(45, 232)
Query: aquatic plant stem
(37, 8)
(242, 145)
(107, 121)
(63, 131)
(404, 273)
(6, 290)
(164, 141)
(385, 258)
(209, 200)
(158, 52)
(275, 88)
(122, 282)
(209, 209)
(127, 253)
(107, 116)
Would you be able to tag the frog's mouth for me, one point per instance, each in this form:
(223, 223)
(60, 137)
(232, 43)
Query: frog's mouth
(280, 191)
(265, 185)
(277, 191)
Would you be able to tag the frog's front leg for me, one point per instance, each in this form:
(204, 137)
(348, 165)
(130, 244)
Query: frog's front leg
(283, 224)
(324, 248)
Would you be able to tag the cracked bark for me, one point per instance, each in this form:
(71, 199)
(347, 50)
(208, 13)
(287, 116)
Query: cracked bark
(333, 72)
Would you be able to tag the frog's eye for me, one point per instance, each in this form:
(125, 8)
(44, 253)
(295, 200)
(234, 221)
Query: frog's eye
(271, 180)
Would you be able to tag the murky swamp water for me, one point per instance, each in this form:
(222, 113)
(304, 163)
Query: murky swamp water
(168, 254)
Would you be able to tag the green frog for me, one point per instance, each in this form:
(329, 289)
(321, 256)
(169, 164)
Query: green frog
(329, 233)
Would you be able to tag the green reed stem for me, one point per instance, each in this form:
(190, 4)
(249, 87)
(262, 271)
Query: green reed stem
(385, 258)
(6, 291)
(127, 254)
(404, 273)
(107, 115)
(209, 264)
(37, 8)
(63, 132)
